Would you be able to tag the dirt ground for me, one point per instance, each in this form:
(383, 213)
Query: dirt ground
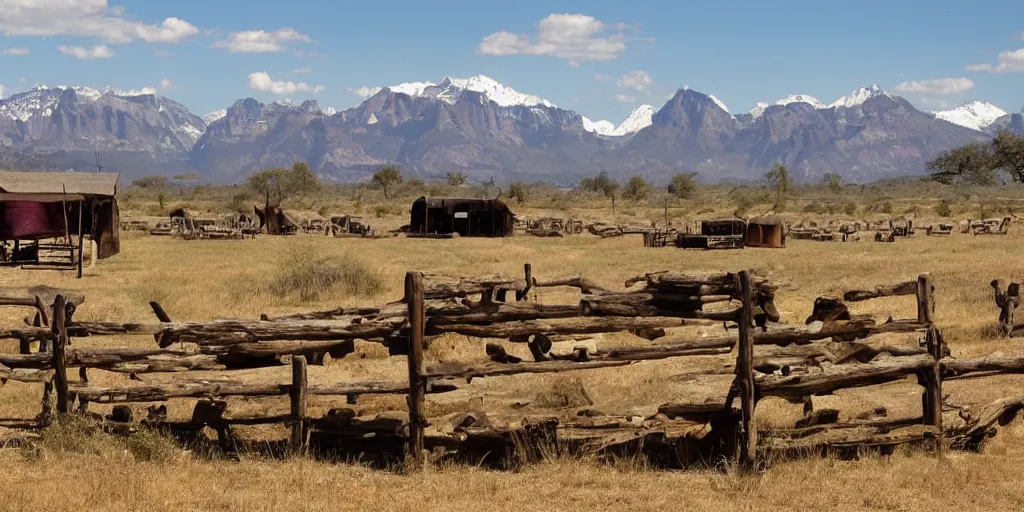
(204, 280)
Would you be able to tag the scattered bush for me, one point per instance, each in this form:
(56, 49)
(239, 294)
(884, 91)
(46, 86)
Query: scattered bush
(944, 208)
(310, 278)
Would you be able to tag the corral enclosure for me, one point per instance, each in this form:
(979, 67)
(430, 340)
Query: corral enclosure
(220, 281)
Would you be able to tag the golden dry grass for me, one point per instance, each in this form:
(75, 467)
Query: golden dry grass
(203, 280)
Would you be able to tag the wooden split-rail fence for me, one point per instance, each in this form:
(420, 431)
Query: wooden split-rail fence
(834, 350)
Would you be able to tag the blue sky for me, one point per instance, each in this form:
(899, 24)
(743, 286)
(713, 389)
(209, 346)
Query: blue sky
(601, 60)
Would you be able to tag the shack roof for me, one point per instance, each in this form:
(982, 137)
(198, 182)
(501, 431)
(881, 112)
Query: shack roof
(82, 183)
(448, 202)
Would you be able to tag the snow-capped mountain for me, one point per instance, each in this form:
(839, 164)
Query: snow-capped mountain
(793, 98)
(637, 120)
(215, 115)
(449, 89)
(976, 115)
(599, 127)
(719, 102)
(69, 119)
(858, 97)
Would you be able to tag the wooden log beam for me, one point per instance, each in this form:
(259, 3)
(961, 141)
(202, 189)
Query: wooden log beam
(492, 369)
(497, 312)
(23, 375)
(843, 376)
(578, 325)
(119, 359)
(161, 393)
(854, 329)
(437, 286)
(855, 438)
(905, 288)
(994, 364)
(974, 433)
(654, 303)
(575, 280)
(233, 332)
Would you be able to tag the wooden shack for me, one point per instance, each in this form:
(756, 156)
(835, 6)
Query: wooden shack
(446, 216)
(56, 206)
(765, 232)
(715, 234)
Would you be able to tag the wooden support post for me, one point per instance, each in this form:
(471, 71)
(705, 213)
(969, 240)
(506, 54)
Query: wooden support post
(931, 378)
(81, 241)
(60, 368)
(417, 382)
(925, 302)
(528, 277)
(745, 374)
(297, 393)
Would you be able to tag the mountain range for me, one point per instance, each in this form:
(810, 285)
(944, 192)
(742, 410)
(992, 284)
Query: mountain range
(487, 130)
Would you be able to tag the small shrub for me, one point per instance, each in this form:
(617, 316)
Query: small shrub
(308, 279)
(887, 207)
(153, 446)
(850, 208)
(944, 208)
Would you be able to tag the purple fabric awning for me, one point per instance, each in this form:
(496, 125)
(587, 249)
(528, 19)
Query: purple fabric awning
(29, 220)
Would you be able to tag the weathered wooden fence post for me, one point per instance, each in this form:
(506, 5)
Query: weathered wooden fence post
(297, 393)
(60, 341)
(931, 378)
(417, 382)
(745, 374)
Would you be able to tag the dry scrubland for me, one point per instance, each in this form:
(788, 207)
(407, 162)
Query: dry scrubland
(202, 280)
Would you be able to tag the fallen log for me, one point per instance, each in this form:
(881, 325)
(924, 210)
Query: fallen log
(578, 325)
(832, 439)
(972, 436)
(842, 376)
(880, 426)
(905, 288)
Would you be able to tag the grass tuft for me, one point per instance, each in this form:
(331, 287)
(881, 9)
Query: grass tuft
(310, 279)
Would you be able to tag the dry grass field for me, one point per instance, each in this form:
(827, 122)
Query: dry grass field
(204, 280)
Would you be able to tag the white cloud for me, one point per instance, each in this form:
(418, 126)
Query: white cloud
(82, 53)
(638, 80)
(166, 84)
(574, 37)
(937, 86)
(302, 71)
(20, 52)
(1009, 61)
(365, 92)
(86, 18)
(602, 78)
(261, 41)
(2, 90)
(262, 82)
(625, 98)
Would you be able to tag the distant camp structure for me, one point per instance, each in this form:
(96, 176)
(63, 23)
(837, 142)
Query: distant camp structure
(715, 234)
(444, 217)
(765, 232)
(45, 218)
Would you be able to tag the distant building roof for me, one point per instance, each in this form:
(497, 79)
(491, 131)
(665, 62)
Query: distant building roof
(83, 183)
